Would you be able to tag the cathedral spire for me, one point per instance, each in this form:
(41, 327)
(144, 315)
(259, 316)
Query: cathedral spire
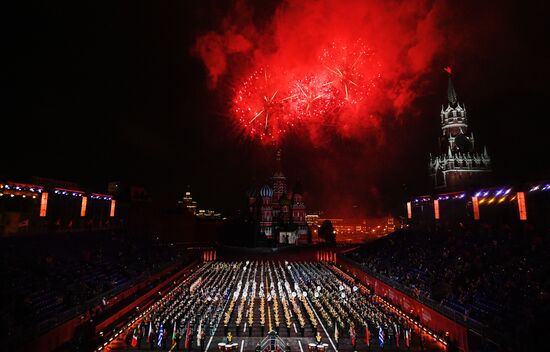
(279, 160)
(278, 179)
(451, 93)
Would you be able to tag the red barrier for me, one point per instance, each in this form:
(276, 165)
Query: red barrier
(127, 293)
(138, 301)
(56, 337)
(429, 317)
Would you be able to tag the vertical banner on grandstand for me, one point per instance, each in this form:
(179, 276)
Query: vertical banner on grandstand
(436, 209)
(475, 206)
(521, 206)
(83, 206)
(113, 205)
(409, 210)
(43, 204)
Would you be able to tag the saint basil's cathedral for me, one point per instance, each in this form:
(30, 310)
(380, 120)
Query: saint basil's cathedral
(278, 214)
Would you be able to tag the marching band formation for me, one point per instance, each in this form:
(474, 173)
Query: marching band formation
(236, 300)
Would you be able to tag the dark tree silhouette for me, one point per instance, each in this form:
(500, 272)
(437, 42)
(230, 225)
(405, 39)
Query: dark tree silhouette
(326, 232)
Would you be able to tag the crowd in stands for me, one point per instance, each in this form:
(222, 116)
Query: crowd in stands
(48, 278)
(494, 275)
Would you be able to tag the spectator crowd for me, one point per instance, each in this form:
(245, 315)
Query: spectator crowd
(51, 278)
(492, 275)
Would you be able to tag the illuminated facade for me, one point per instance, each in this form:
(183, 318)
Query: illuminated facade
(266, 211)
(191, 206)
(189, 203)
(280, 215)
(457, 164)
(354, 230)
(42, 205)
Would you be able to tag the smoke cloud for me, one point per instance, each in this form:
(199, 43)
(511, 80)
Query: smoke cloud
(402, 39)
(399, 43)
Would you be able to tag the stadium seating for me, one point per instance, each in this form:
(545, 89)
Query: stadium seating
(492, 275)
(51, 278)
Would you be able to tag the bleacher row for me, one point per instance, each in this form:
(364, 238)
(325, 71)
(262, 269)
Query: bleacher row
(49, 278)
(490, 275)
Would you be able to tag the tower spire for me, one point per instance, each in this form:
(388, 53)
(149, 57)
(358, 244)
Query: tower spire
(451, 93)
(279, 160)
(458, 165)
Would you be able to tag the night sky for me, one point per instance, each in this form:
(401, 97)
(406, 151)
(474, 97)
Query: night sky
(115, 91)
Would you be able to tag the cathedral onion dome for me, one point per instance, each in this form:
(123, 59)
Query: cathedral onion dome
(266, 191)
(298, 188)
(463, 143)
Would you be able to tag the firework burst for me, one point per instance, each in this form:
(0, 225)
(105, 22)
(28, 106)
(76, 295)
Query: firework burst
(351, 70)
(259, 105)
(267, 105)
(311, 98)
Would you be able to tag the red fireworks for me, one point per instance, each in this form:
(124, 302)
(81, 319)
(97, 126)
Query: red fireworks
(348, 66)
(311, 98)
(266, 108)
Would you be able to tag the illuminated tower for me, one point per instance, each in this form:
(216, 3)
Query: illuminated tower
(458, 164)
(284, 214)
(279, 185)
(189, 203)
(266, 212)
(299, 212)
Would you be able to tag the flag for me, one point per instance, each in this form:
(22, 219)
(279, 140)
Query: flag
(367, 335)
(381, 336)
(174, 342)
(173, 346)
(161, 332)
(396, 335)
(408, 337)
(352, 335)
(187, 336)
(336, 335)
(134, 338)
(150, 330)
(199, 332)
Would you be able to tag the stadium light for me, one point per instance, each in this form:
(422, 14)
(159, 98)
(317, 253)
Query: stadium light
(436, 209)
(521, 206)
(43, 204)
